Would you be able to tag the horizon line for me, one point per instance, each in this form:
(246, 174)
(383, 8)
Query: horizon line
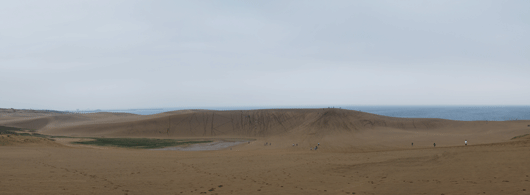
(260, 107)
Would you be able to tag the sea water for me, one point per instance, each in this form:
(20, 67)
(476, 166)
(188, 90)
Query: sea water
(462, 113)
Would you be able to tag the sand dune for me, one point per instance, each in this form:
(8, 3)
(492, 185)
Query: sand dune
(499, 168)
(338, 129)
(359, 153)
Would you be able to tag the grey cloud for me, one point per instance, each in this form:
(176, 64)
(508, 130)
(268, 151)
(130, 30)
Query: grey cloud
(138, 54)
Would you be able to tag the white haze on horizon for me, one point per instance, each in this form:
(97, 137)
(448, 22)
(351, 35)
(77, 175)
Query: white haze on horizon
(65, 55)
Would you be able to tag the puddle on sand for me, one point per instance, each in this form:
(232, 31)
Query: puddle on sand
(216, 145)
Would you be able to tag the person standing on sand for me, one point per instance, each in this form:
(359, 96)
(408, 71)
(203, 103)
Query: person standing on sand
(434, 144)
(465, 142)
(412, 144)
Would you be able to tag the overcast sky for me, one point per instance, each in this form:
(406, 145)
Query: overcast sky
(117, 54)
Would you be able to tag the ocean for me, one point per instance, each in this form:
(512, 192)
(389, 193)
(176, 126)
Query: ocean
(462, 113)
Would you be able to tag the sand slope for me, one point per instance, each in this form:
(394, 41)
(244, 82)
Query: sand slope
(15, 140)
(359, 153)
(337, 129)
(481, 169)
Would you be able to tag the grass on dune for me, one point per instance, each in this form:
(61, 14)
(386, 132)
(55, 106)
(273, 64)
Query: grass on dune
(15, 131)
(519, 136)
(140, 143)
(9, 130)
(4, 128)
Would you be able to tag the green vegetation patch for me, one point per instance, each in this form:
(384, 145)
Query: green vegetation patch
(4, 128)
(45, 136)
(519, 136)
(9, 130)
(140, 143)
(17, 132)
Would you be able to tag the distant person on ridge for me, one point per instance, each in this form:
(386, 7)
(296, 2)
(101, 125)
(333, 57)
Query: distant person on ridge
(465, 142)
(434, 144)
(412, 144)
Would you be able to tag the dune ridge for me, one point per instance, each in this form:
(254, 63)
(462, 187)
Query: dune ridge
(338, 128)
